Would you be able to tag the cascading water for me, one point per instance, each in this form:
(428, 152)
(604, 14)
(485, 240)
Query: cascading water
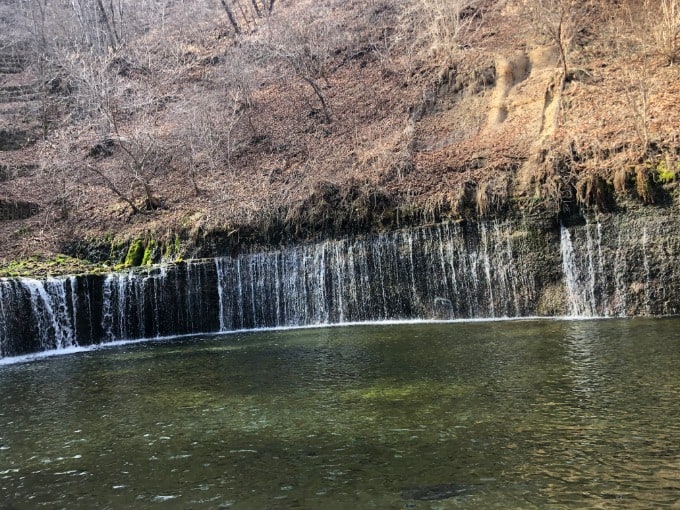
(447, 271)
(405, 275)
(617, 269)
(5, 297)
(579, 292)
(46, 314)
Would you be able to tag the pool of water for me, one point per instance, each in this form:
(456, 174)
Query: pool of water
(525, 414)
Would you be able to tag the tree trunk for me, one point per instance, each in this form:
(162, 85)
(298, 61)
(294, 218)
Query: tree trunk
(110, 29)
(243, 13)
(231, 17)
(319, 94)
(109, 184)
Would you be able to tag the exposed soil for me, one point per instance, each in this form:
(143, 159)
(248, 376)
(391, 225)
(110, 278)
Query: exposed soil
(415, 135)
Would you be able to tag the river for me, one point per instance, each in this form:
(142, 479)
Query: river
(479, 415)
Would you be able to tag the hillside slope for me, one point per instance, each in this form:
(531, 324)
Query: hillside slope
(333, 118)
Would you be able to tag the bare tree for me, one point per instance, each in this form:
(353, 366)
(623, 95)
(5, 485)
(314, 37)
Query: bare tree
(100, 25)
(634, 49)
(244, 14)
(144, 154)
(115, 60)
(114, 91)
(256, 8)
(638, 91)
(145, 159)
(559, 22)
(210, 133)
(218, 119)
(240, 16)
(305, 48)
(230, 15)
(31, 37)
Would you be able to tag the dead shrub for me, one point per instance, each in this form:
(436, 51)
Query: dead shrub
(492, 195)
(593, 191)
(443, 23)
(622, 180)
(663, 26)
(644, 184)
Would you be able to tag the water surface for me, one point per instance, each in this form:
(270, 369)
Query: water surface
(526, 414)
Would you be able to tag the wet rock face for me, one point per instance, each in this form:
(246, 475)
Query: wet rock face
(623, 265)
(57, 313)
(614, 265)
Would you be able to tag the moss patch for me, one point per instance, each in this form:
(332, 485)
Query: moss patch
(149, 253)
(41, 267)
(135, 254)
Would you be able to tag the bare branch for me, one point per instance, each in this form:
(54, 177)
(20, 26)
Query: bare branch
(112, 186)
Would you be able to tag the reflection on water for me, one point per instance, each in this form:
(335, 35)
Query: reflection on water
(531, 414)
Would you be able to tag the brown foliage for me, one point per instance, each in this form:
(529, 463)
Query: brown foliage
(316, 94)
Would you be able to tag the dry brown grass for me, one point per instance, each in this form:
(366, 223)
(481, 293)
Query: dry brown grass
(443, 25)
(622, 180)
(643, 184)
(662, 21)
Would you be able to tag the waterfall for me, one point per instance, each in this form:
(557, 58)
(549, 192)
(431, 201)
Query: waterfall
(107, 308)
(617, 269)
(134, 304)
(47, 312)
(52, 314)
(404, 275)
(578, 278)
(645, 265)
(605, 267)
(5, 297)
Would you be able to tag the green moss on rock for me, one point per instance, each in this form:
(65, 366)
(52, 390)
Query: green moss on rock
(149, 253)
(42, 267)
(135, 254)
